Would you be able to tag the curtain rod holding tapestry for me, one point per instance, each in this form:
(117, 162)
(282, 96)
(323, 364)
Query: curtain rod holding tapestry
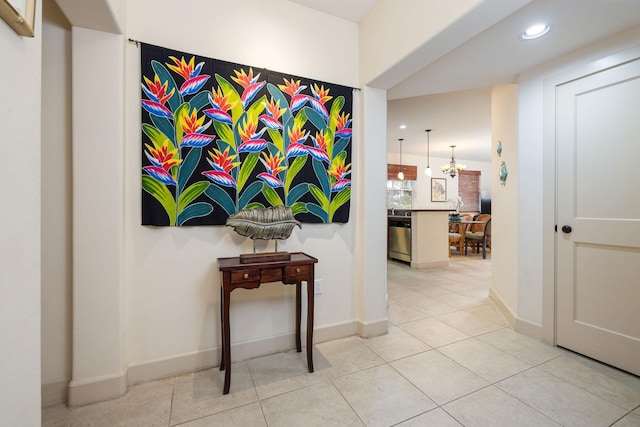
(219, 138)
(138, 43)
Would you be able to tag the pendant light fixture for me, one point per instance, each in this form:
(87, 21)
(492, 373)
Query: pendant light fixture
(452, 168)
(427, 170)
(401, 174)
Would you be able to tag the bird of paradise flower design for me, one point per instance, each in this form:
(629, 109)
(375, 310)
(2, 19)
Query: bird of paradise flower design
(268, 144)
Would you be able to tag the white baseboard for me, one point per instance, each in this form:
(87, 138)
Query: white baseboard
(504, 309)
(528, 328)
(519, 325)
(206, 359)
(97, 389)
(54, 391)
(372, 329)
(335, 331)
(105, 388)
(430, 264)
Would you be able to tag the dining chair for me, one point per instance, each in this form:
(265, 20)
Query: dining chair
(456, 236)
(480, 237)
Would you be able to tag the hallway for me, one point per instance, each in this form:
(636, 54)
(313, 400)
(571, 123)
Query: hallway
(449, 359)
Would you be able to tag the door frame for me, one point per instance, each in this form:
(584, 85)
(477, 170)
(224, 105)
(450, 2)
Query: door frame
(549, 213)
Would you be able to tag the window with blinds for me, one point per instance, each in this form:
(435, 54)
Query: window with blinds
(469, 190)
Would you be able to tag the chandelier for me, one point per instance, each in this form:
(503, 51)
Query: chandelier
(452, 168)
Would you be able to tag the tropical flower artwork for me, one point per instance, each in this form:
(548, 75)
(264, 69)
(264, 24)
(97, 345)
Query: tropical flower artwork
(219, 138)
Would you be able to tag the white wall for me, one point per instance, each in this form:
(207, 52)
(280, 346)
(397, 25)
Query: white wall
(537, 209)
(56, 202)
(20, 266)
(98, 214)
(172, 296)
(505, 198)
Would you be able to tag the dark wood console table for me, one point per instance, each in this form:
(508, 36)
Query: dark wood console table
(250, 276)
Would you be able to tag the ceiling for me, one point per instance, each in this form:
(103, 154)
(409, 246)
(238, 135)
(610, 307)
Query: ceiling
(494, 56)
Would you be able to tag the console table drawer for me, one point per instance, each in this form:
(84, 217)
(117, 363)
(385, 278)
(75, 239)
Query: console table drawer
(240, 276)
(296, 272)
(271, 275)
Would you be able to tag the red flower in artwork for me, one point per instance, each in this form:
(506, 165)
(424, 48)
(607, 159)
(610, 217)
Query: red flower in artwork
(222, 161)
(291, 88)
(157, 91)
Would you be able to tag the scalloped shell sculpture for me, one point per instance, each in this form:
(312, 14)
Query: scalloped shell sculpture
(264, 224)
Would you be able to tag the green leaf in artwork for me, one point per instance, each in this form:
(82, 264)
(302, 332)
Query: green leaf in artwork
(271, 195)
(339, 147)
(256, 108)
(233, 97)
(254, 205)
(298, 208)
(322, 175)
(276, 138)
(188, 166)
(225, 133)
(199, 101)
(165, 126)
(293, 170)
(191, 193)
(246, 168)
(157, 138)
(317, 211)
(340, 199)
(178, 119)
(301, 118)
(249, 193)
(162, 195)
(297, 192)
(194, 211)
(221, 197)
(319, 195)
(336, 107)
(287, 126)
(315, 118)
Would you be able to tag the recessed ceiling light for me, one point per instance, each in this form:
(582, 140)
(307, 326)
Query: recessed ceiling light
(403, 126)
(535, 31)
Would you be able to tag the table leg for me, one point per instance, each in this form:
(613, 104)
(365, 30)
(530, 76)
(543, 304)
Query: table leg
(310, 296)
(298, 315)
(227, 342)
(222, 328)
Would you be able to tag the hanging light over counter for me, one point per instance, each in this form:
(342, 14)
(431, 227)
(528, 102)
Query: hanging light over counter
(401, 174)
(427, 170)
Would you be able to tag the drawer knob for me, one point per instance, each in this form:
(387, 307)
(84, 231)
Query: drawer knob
(298, 270)
(246, 276)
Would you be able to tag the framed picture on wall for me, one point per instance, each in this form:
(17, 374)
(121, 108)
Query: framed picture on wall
(438, 189)
(19, 14)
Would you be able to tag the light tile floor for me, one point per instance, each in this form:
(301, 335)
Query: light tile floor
(449, 359)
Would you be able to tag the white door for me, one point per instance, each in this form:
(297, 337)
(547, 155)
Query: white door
(598, 197)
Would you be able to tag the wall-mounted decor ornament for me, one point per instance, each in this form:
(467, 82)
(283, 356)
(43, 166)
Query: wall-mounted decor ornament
(503, 173)
(219, 138)
(274, 223)
(499, 149)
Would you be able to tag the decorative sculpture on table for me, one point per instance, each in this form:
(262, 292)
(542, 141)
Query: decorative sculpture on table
(273, 223)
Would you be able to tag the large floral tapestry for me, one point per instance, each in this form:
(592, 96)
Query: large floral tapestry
(219, 138)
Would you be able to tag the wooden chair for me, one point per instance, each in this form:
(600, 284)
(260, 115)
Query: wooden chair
(480, 237)
(456, 236)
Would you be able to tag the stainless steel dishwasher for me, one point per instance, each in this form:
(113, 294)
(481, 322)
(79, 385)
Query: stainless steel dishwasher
(400, 238)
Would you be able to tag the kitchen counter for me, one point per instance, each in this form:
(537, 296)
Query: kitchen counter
(429, 236)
